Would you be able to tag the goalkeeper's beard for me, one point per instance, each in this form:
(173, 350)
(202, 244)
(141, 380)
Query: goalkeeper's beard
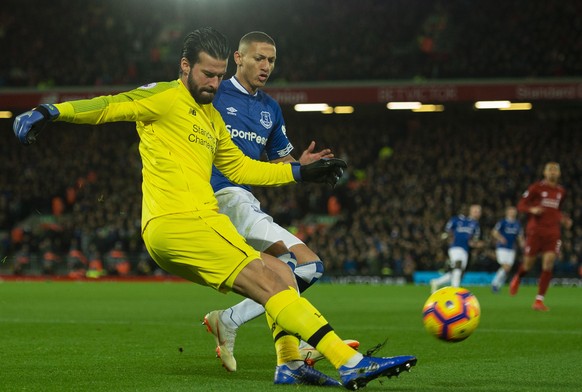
(203, 96)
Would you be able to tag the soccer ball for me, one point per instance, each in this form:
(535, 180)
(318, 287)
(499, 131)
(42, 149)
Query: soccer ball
(451, 314)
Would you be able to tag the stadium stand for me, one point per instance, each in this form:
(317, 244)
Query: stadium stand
(124, 43)
(385, 218)
(71, 205)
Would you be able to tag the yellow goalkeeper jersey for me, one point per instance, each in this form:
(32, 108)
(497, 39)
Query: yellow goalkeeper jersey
(179, 141)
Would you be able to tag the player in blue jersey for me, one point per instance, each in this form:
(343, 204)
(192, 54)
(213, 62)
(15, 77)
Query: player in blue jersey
(463, 233)
(255, 122)
(507, 233)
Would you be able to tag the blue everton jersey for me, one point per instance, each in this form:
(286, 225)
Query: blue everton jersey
(255, 123)
(463, 229)
(510, 230)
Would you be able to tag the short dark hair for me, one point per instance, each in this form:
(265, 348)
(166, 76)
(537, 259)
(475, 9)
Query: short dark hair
(207, 40)
(256, 36)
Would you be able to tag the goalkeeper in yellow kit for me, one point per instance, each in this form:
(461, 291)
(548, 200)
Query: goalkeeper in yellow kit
(181, 136)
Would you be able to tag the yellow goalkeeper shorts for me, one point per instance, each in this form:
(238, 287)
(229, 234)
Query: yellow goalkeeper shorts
(202, 246)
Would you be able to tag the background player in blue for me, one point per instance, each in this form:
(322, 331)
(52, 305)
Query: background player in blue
(507, 233)
(463, 233)
(256, 125)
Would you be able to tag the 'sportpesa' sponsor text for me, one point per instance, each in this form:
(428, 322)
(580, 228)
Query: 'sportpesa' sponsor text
(246, 135)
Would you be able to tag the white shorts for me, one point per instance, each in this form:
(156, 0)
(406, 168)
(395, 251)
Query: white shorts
(244, 210)
(505, 256)
(458, 254)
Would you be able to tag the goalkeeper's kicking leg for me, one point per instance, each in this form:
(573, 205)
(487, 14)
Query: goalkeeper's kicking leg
(291, 315)
(307, 267)
(209, 251)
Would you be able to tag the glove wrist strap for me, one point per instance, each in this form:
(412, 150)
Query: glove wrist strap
(50, 112)
(296, 170)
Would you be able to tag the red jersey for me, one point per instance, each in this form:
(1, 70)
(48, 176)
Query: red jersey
(549, 197)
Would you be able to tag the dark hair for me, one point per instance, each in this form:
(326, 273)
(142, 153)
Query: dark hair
(256, 36)
(207, 40)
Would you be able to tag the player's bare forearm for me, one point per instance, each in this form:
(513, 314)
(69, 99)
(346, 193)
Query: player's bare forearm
(498, 237)
(285, 159)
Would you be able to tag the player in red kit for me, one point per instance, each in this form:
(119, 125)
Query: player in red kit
(542, 202)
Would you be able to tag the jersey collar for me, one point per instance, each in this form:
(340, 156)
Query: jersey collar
(240, 87)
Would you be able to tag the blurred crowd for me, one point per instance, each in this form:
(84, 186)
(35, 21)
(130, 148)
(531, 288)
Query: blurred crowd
(407, 178)
(71, 204)
(107, 42)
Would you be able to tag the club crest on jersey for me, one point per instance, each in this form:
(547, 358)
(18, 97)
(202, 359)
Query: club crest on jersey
(266, 120)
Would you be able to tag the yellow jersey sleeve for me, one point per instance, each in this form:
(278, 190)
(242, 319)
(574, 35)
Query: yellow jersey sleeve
(146, 103)
(179, 142)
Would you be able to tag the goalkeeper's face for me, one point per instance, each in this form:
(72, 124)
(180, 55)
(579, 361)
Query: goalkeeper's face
(204, 77)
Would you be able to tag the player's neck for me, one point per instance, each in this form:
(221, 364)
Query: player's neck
(247, 86)
(551, 182)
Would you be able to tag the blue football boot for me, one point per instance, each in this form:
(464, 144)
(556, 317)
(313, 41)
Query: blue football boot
(303, 375)
(370, 368)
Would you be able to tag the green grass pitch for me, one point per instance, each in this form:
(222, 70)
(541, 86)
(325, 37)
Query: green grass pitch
(107, 336)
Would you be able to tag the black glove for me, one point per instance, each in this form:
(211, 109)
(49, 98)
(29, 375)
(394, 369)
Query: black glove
(28, 125)
(326, 170)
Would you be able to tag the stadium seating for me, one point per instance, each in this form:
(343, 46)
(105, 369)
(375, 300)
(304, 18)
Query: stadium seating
(407, 174)
(388, 211)
(124, 43)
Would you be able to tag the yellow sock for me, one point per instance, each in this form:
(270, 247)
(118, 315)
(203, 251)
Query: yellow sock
(335, 349)
(297, 316)
(286, 346)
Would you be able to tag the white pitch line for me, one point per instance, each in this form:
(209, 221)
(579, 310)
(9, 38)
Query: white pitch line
(258, 325)
(97, 322)
(532, 331)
